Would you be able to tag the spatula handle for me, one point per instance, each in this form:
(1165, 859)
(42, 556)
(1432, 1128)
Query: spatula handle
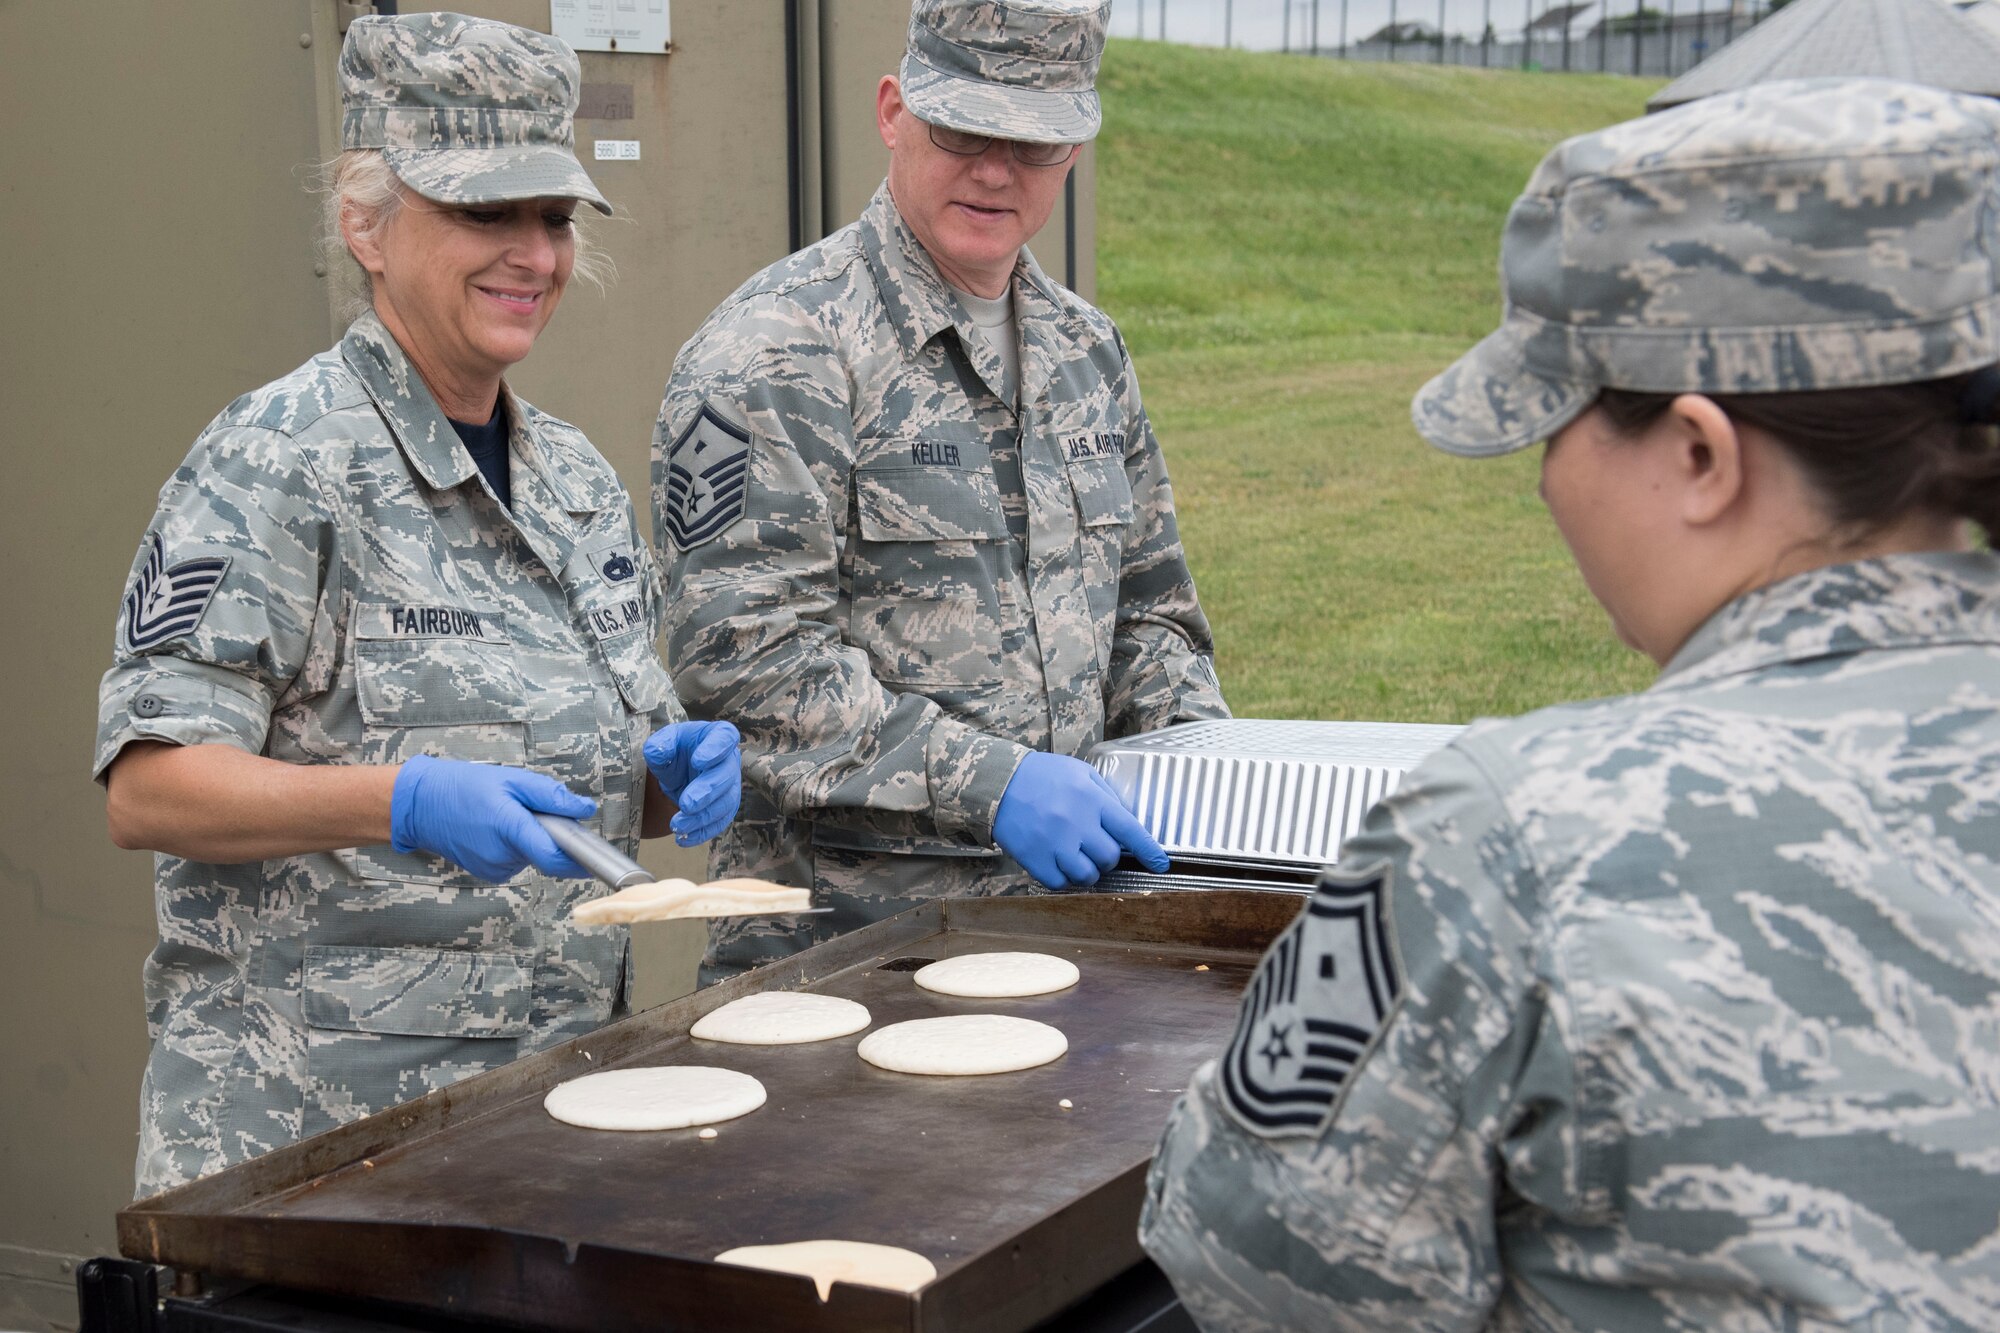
(593, 853)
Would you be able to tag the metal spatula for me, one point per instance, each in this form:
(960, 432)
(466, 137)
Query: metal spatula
(620, 871)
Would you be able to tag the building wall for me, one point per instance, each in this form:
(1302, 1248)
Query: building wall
(162, 262)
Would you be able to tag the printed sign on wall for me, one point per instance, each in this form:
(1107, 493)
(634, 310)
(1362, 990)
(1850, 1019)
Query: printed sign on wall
(611, 25)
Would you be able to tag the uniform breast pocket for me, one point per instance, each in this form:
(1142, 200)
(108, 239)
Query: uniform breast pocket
(438, 682)
(926, 602)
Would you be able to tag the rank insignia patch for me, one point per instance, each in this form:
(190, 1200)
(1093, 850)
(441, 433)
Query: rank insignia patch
(708, 478)
(166, 603)
(1319, 998)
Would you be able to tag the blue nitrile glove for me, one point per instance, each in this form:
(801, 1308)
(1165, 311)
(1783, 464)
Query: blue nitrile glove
(1062, 821)
(699, 765)
(478, 815)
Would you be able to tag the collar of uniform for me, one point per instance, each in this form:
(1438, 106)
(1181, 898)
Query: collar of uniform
(558, 453)
(414, 417)
(1899, 601)
(920, 305)
(1038, 311)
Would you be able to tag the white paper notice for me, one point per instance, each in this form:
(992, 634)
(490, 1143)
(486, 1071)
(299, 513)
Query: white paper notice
(611, 25)
(617, 150)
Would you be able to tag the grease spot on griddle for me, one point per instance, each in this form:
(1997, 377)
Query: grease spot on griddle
(907, 964)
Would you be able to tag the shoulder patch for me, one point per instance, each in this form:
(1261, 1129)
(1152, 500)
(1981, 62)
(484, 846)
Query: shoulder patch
(708, 479)
(1318, 1001)
(166, 603)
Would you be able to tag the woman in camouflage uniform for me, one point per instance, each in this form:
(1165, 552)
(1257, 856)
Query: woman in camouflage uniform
(386, 612)
(1682, 1010)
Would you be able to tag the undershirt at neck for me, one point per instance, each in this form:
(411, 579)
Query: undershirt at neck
(488, 446)
(993, 320)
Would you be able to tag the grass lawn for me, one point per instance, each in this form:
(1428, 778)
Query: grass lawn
(1292, 246)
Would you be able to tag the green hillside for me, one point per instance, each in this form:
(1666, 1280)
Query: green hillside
(1293, 246)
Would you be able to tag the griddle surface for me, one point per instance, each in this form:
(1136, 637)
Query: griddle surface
(949, 1167)
(964, 1170)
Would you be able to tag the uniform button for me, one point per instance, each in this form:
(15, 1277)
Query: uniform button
(148, 705)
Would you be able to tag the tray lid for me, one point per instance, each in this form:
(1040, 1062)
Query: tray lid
(1252, 791)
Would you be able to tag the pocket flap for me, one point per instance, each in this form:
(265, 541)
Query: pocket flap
(431, 679)
(641, 679)
(418, 992)
(919, 504)
(1103, 492)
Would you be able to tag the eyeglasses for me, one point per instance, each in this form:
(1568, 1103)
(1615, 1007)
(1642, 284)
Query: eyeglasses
(961, 144)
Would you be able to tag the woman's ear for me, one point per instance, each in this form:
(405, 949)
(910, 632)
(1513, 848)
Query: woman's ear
(1707, 458)
(363, 242)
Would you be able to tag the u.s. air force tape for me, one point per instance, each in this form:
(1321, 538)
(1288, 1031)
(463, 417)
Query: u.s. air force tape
(1318, 1001)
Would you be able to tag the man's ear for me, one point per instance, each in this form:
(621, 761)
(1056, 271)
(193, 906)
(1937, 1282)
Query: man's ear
(1707, 458)
(888, 106)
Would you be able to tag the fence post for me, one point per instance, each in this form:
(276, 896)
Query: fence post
(1440, 59)
(1343, 29)
(1395, 31)
(1603, 41)
(1528, 34)
(1485, 33)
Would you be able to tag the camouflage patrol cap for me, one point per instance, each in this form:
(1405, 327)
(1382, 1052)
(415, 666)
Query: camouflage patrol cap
(1798, 235)
(1014, 69)
(466, 110)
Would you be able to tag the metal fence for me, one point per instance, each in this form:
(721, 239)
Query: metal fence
(1646, 38)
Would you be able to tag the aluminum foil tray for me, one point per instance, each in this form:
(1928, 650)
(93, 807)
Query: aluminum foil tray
(1255, 792)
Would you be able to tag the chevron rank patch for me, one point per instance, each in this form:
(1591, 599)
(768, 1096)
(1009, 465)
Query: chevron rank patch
(165, 603)
(708, 479)
(1320, 997)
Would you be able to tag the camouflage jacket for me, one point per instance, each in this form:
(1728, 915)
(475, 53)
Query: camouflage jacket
(1675, 1011)
(328, 580)
(894, 582)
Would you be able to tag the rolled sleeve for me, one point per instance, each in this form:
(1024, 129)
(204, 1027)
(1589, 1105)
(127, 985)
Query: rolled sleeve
(181, 703)
(246, 501)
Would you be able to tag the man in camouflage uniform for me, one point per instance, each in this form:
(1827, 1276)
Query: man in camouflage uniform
(1681, 1010)
(917, 546)
(330, 581)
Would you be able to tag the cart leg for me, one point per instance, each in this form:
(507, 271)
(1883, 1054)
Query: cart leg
(119, 1296)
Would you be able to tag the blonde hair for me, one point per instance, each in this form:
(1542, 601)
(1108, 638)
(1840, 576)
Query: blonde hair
(359, 185)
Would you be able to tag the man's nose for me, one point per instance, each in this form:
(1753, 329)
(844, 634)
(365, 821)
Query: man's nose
(995, 166)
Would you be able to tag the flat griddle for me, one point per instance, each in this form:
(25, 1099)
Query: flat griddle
(471, 1201)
